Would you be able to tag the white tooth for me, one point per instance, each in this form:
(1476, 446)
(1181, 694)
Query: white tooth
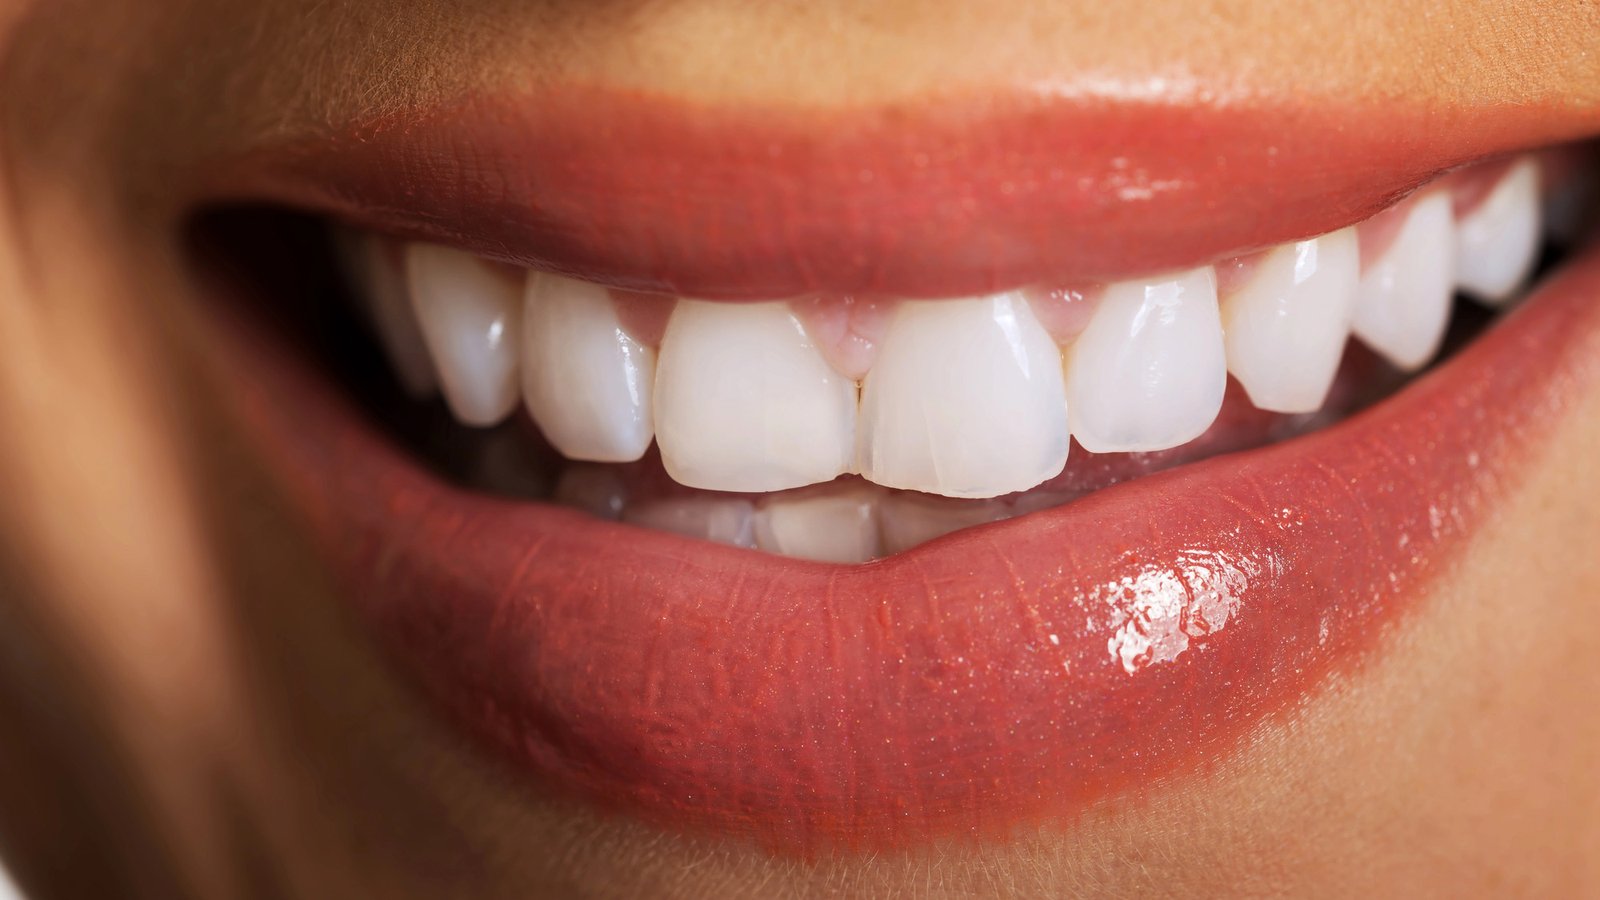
(745, 402)
(1497, 243)
(586, 381)
(965, 399)
(373, 265)
(720, 520)
(1287, 328)
(469, 311)
(1403, 304)
(1149, 371)
(597, 490)
(908, 519)
(834, 525)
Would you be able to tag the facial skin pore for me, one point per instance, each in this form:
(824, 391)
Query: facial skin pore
(187, 704)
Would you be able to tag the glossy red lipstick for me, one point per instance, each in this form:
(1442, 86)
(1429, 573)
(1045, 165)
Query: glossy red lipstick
(997, 677)
(967, 195)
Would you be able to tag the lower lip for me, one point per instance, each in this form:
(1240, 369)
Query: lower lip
(1000, 676)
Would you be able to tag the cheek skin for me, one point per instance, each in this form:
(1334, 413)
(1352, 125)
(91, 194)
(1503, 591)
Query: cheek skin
(190, 648)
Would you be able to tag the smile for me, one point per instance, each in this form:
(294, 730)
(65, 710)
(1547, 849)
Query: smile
(812, 511)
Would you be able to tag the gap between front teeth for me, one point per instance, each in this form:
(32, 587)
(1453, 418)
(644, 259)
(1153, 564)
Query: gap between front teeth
(968, 398)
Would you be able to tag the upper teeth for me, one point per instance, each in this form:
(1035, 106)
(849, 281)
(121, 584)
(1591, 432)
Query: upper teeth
(1286, 328)
(1496, 244)
(470, 312)
(1403, 303)
(1148, 373)
(588, 383)
(966, 398)
(745, 402)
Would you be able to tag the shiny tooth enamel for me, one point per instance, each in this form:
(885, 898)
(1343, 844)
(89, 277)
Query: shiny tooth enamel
(1403, 304)
(835, 524)
(587, 382)
(907, 519)
(374, 265)
(1498, 242)
(470, 312)
(745, 402)
(965, 399)
(1150, 370)
(1286, 328)
(720, 520)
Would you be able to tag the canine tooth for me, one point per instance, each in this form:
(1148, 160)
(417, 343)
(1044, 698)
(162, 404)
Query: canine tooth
(1497, 243)
(966, 399)
(745, 402)
(469, 311)
(909, 519)
(837, 525)
(1286, 329)
(1149, 371)
(1403, 304)
(374, 267)
(596, 490)
(587, 382)
(721, 520)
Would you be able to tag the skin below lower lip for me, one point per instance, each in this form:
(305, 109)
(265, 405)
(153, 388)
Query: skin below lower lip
(940, 199)
(999, 677)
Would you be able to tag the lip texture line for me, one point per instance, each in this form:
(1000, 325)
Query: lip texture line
(945, 199)
(990, 679)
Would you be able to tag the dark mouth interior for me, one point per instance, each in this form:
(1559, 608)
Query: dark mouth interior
(281, 264)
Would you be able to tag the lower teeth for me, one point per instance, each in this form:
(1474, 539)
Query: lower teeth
(847, 520)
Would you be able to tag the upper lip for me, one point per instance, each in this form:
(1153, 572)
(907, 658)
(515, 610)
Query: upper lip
(967, 195)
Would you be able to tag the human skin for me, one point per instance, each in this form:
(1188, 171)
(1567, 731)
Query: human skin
(188, 705)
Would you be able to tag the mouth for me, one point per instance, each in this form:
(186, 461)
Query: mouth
(960, 501)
